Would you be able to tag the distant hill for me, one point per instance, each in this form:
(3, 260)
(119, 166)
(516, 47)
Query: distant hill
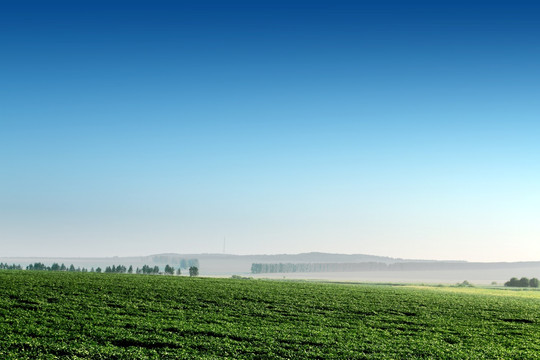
(302, 257)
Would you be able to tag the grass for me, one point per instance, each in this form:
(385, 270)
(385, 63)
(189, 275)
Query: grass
(47, 315)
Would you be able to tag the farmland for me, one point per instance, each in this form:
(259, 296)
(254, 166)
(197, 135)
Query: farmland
(45, 315)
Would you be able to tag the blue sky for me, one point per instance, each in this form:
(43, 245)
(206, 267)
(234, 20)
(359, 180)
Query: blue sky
(407, 129)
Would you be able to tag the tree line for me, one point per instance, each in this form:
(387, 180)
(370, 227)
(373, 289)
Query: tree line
(114, 269)
(54, 267)
(258, 268)
(6, 266)
(523, 282)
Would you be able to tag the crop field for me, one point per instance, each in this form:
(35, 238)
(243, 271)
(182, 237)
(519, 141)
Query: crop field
(47, 315)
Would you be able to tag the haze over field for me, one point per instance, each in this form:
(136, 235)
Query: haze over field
(406, 129)
(310, 266)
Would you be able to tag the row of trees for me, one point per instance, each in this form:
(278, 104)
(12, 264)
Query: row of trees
(146, 269)
(114, 269)
(6, 266)
(151, 270)
(54, 267)
(523, 282)
(258, 268)
(120, 269)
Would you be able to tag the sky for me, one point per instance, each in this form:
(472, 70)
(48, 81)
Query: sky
(398, 128)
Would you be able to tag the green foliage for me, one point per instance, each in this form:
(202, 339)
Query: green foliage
(42, 267)
(169, 270)
(513, 282)
(75, 315)
(114, 269)
(523, 282)
(120, 269)
(7, 266)
(193, 271)
(146, 269)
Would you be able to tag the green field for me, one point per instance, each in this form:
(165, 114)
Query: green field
(46, 315)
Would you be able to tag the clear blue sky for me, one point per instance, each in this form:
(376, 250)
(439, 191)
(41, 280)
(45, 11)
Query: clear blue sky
(401, 128)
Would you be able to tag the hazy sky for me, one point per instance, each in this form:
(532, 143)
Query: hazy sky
(400, 128)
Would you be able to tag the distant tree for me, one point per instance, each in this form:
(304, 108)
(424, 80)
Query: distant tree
(178, 271)
(55, 267)
(513, 282)
(256, 268)
(63, 267)
(524, 282)
(148, 270)
(130, 270)
(37, 266)
(98, 269)
(169, 270)
(71, 267)
(34, 266)
(92, 269)
(193, 271)
(534, 283)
